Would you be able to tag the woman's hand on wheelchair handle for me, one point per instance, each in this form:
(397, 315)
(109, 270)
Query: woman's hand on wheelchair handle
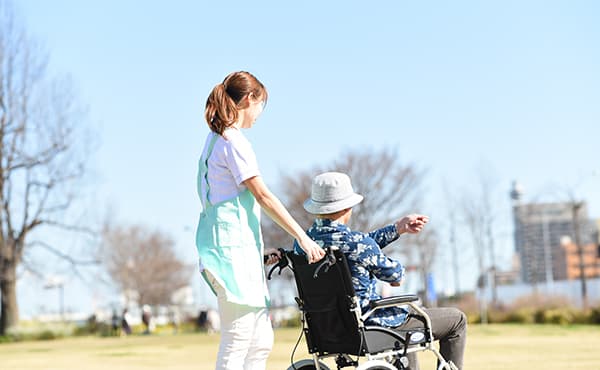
(314, 252)
(272, 256)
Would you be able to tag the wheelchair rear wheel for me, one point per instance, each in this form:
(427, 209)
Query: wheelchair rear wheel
(307, 365)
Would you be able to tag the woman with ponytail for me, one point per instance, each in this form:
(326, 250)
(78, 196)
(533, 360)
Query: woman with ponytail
(228, 237)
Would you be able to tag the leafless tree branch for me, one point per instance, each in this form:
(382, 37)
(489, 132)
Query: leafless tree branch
(144, 261)
(73, 261)
(40, 155)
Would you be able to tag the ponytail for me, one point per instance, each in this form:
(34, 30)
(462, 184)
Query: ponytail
(221, 111)
(225, 99)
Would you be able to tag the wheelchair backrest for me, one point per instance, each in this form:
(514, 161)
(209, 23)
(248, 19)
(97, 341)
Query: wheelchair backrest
(326, 298)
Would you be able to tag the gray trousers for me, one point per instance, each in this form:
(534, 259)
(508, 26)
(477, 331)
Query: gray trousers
(449, 327)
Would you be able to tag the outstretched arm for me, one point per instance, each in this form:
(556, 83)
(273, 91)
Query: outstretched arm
(278, 213)
(411, 224)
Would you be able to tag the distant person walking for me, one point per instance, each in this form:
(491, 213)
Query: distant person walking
(147, 319)
(228, 237)
(125, 320)
(202, 320)
(114, 323)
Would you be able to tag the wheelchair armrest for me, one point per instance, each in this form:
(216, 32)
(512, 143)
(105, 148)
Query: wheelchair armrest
(393, 301)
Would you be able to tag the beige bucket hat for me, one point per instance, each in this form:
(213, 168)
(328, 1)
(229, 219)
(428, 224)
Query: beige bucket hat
(331, 192)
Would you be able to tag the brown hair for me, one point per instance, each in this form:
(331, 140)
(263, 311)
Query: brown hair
(226, 99)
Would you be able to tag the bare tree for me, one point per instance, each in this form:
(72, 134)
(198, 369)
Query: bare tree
(144, 263)
(473, 215)
(577, 223)
(480, 215)
(426, 248)
(452, 214)
(391, 190)
(40, 158)
(581, 232)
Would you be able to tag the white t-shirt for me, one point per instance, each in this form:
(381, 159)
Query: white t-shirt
(232, 161)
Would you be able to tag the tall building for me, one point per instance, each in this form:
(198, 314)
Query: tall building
(540, 232)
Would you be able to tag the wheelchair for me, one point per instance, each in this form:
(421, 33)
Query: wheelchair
(333, 325)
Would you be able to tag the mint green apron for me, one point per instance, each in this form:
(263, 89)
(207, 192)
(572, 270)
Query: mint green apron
(229, 242)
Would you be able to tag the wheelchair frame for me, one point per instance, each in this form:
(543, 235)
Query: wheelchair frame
(374, 340)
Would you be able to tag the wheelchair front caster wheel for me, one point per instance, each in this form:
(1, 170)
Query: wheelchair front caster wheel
(307, 365)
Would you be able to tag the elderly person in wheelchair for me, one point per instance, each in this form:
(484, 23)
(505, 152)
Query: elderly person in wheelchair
(346, 316)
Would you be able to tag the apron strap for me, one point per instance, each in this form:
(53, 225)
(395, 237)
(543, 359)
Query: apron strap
(211, 145)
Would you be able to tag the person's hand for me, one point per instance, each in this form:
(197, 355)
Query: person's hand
(273, 256)
(412, 224)
(313, 251)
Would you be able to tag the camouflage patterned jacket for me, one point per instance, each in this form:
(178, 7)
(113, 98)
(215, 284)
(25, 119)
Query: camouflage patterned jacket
(366, 261)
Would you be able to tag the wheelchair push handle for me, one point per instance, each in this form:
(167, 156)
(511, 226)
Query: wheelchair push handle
(282, 263)
(323, 266)
(328, 261)
(266, 256)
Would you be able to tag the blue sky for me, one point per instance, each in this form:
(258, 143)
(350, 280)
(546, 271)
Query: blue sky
(510, 85)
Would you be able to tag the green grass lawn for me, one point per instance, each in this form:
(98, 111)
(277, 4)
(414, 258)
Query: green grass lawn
(490, 347)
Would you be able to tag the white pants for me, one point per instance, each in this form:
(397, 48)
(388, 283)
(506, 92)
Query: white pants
(246, 334)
